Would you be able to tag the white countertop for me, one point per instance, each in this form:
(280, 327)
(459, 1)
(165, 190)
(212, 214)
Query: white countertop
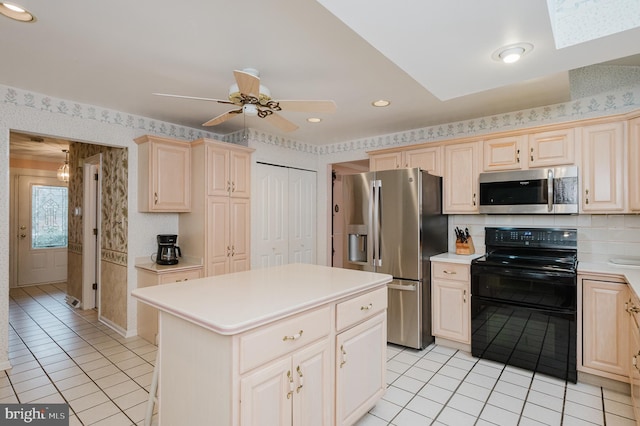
(159, 269)
(234, 303)
(630, 273)
(455, 258)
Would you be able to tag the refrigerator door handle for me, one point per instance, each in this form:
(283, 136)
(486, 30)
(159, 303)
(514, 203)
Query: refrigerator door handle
(377, 256)
(372, 250)
(403, 287)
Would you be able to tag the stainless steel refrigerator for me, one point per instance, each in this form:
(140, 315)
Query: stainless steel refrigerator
(394, 223)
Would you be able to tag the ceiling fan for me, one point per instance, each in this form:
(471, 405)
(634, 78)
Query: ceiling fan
(255, 99)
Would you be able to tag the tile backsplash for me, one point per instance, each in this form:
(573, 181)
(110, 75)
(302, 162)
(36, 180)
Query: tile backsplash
(600, 237)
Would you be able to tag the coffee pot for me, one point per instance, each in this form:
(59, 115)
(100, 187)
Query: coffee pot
(168, 251)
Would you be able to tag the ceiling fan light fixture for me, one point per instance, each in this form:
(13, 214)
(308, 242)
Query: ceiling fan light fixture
(16, 12)
(250, 109)
(512, 53)
(381, 103)
(63, 170)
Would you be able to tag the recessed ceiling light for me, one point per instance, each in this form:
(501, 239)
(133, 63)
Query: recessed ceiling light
(512, 53)
(16, 12)
(314, 120)
(381, 103)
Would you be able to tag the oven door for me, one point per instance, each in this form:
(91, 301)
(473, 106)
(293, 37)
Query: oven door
(525, 318)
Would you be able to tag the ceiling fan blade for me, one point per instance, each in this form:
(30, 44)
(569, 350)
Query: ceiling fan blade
(248, 84)
(281, 122)
(308, 106)
(221, 101)
(223, 117)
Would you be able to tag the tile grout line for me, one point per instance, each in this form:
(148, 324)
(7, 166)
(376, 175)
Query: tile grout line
(70, 356)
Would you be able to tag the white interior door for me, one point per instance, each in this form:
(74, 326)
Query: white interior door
(302, 216)
(270, 242)
(42, 230)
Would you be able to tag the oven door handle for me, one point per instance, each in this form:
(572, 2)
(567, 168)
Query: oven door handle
(542, 275)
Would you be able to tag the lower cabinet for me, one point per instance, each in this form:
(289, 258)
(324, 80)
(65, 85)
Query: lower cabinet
(451, 301)
(633, 308)
(605, 327)
(294, 390)
(360, 368)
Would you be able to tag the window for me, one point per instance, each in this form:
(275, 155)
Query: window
(49, 221)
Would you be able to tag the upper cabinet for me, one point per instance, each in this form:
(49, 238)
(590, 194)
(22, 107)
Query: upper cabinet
(229, 170)
(551, 148)
(428, 159)
(603, 167)
(634, 165)
(164, 174)
(543, 149)
(461, 169)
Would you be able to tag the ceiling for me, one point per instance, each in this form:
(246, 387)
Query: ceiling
(431, 59)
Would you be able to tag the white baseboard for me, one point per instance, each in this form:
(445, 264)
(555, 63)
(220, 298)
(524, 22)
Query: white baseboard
(121, 331)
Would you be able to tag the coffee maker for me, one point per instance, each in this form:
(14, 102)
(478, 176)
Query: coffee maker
(168, 251)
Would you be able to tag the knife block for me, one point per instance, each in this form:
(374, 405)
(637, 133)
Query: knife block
(465, 248)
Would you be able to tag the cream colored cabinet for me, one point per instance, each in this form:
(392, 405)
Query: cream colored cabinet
(633, 308)
(229, 221)
(451, 301)
(151, 275)
(543, 149)
(164, 179)
(218, 229)
(360, 369)
(603, 168)
(605, 327)
(428, 159)
(292, 391)
(633, 165)
(504, 153)
(551, 148)
(461, 169)
(228, 171)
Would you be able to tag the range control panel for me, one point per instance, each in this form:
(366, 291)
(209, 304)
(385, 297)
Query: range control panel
(566, 238)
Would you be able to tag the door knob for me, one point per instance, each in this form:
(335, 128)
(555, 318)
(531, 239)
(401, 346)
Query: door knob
(23, 235)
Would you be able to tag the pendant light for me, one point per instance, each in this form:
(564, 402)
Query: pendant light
(63, 170)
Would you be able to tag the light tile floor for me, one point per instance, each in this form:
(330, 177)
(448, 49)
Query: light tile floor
(59, 354)
(442, 386)
(64, 355)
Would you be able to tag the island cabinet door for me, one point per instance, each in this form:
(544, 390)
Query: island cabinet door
(360, 368)
(265, 397)
(292, 391)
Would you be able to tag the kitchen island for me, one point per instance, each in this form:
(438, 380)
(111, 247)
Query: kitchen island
(294, 344)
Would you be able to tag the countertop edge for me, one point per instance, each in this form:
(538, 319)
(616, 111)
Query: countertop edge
(455, 258)
(630, 274)
(271, 317)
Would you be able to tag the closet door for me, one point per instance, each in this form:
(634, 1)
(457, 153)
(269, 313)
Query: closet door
(302, 216)
(270, 231)
(283, 216)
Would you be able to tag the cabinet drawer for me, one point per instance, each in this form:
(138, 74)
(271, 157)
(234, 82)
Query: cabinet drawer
(272, 341)
(361, 307)
(450, 271)
(175, 277)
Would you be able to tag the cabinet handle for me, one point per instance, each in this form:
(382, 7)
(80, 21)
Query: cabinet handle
(449, 272)
(586, 192)
(228, 251)
(366, 308)
(464, 296)
(518, 156)
(300, 379)
(233, 187)
(474, 199)
(531, 154)
(290, 377)
(294, 337)
(228, 186)
(233, 250)
(634, 360)
(155, 198)
(344, 356)
(631, 308)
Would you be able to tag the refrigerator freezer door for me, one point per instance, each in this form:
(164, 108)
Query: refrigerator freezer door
(399, 218)
(358, 241)
(404, 313)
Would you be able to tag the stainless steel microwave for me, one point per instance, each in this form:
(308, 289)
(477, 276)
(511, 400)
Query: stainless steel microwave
(535, 191)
